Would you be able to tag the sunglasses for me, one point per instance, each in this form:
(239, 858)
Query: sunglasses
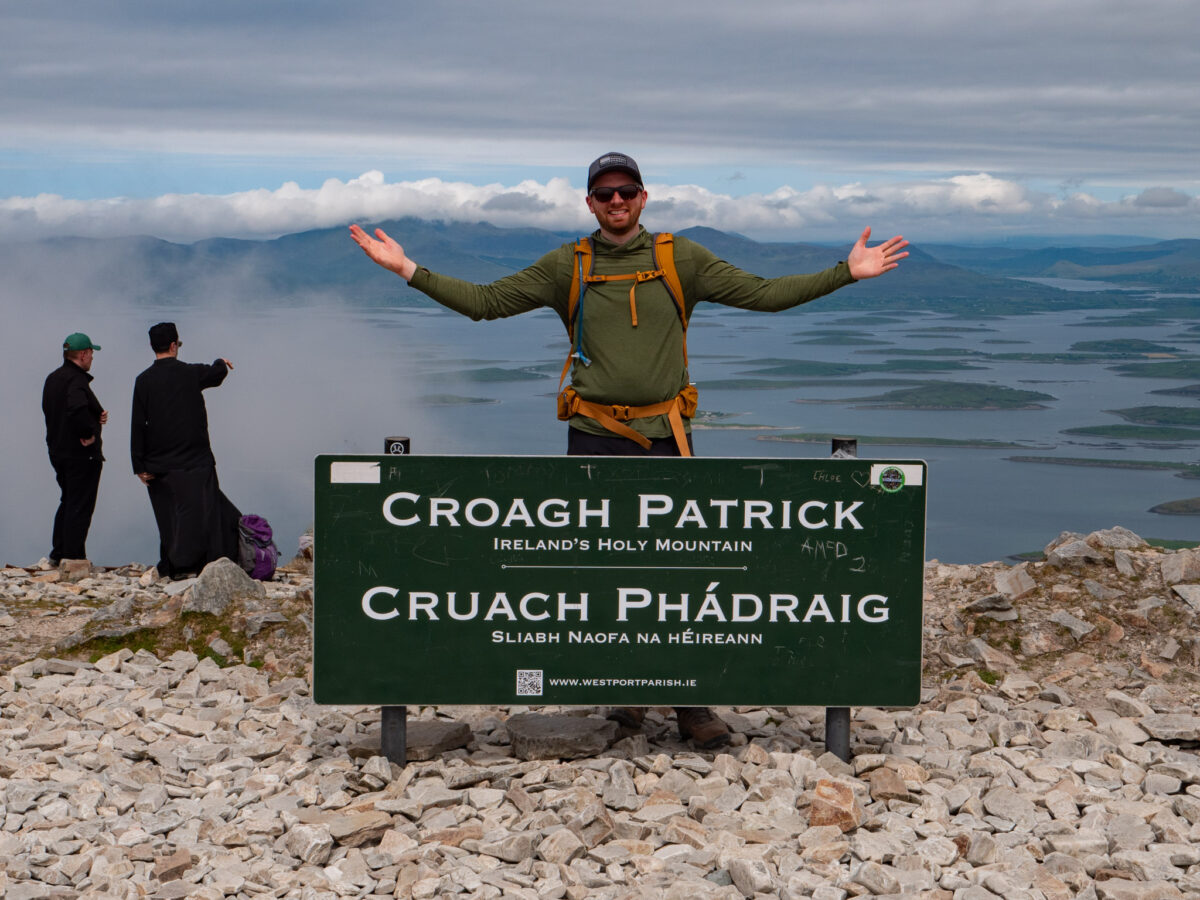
(605, 194)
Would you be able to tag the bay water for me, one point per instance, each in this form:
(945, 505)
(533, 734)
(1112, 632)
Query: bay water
(337, 378)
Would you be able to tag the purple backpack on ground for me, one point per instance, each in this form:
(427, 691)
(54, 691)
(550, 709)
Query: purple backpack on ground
(257, 552)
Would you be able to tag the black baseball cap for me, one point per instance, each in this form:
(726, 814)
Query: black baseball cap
(613, 162)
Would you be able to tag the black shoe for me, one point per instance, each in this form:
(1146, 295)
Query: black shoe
(706, 729)
(629, 718)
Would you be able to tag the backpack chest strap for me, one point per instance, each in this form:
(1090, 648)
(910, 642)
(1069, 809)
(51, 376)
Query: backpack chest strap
(636, 277)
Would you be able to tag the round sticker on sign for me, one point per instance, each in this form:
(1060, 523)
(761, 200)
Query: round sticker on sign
(891, 479)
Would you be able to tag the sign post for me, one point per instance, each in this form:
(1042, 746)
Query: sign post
(837, 718)
(393, 724)
(618, 581)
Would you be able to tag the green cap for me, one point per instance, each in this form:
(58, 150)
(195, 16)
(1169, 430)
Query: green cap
(79, 341)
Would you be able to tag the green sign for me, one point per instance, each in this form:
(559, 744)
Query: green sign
(618, 581)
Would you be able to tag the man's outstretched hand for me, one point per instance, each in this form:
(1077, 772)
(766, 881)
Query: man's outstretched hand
(384, 251)
(869, 262)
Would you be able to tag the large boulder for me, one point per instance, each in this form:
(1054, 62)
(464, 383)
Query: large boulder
(535, 736)
(1181, 566)
(1073, 553)
(221, 582)
(1116, 538)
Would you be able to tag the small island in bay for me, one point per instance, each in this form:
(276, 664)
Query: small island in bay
(1187, 390)
(1182, 470)
(843, 339)
(950, 395)
(1180, 368)
(1125, 347)
(1188, 507)
(1172, 416)
(885, 441)
(453, 400)
(496, 373)
(1159, 434)
(711, 419)
(803, 368)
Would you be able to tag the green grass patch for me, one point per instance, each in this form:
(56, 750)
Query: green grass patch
(147, 639)
(192, 631)
(1171, 545)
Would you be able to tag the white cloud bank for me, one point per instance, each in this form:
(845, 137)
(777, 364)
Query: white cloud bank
(960, 206)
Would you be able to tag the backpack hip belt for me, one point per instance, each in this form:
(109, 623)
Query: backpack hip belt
(613, 415)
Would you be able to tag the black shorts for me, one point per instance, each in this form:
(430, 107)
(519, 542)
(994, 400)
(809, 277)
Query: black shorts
(581, 443)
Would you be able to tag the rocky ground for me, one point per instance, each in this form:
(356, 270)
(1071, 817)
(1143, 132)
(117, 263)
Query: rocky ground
(157, 739)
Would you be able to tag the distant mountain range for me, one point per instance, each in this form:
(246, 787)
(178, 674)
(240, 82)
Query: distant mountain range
(972, 280)
(1173, 265)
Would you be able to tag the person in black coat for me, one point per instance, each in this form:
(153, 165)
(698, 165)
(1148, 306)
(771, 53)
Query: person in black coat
(171, 454)
(73, 420)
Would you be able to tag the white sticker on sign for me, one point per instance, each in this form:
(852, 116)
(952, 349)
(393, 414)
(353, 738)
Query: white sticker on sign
(354, 473)
(893, 476)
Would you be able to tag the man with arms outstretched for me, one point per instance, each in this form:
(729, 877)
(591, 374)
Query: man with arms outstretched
(629, 391)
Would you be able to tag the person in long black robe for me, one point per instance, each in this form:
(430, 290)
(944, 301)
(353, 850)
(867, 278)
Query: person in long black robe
(171, 454)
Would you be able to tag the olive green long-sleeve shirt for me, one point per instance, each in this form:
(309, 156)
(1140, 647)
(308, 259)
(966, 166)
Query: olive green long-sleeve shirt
(634, 365)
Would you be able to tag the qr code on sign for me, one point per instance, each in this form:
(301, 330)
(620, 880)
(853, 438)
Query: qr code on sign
(529, 682)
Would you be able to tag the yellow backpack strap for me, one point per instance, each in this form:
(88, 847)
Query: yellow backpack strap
(580, 272)
(581, 269)
(664, 260)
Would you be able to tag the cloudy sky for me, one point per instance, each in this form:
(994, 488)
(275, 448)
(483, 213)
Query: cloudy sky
(781, 119)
